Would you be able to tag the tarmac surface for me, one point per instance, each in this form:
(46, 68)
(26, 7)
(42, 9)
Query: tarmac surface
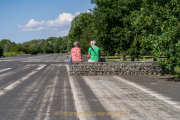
(38, 87)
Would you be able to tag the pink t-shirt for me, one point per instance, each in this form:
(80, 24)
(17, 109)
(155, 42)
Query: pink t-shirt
(76, 54)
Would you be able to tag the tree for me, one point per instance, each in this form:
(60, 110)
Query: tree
(60, 45)
(63, 44)
(85, 39)
(112, 24)
(157, 28)
(6, 44)
(35, 49)
(81, 31)
(1, 51)
(75, 31)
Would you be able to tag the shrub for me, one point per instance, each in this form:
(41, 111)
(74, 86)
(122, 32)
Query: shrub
(21, 52)
(9, 54)
(1, 51)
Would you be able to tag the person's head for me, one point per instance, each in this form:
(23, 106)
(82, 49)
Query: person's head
(93, 42)
(76, 44)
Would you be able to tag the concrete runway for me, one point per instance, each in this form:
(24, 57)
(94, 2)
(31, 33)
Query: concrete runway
(39, 88)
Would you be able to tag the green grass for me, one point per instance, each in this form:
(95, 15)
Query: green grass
(10, 54)
(112, 60)
(112, 56)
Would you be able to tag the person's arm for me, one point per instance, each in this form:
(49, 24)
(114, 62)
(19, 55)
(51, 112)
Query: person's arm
(89, 55)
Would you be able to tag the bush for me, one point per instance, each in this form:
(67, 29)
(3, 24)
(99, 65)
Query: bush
(1, 51)
(9, 54)
(21, 52)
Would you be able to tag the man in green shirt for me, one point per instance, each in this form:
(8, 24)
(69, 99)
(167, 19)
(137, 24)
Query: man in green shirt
(94, 52)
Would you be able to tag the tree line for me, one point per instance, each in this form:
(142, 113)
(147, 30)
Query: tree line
(50, 45)
(132, 27)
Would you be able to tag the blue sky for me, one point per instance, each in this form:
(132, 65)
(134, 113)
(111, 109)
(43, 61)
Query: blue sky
(24, 20)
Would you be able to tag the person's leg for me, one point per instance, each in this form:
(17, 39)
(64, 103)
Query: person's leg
(93, 60)
(90, 60)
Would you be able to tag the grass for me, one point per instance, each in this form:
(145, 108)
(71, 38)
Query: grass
(114, 56)
(112, 60)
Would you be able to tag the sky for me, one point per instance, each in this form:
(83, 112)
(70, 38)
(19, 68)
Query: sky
(25, 20)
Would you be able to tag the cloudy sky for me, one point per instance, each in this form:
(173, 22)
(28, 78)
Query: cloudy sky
(24, 20)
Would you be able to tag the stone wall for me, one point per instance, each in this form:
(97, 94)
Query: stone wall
(84, 56)
(116, 68)
(23, 55)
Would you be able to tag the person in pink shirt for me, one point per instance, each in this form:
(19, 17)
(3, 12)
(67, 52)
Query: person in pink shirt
(76, 53)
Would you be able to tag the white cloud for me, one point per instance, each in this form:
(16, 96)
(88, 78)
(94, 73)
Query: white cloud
(63, 33)
(33, 29)
(55, 28)
(63, 20)
(88, 11)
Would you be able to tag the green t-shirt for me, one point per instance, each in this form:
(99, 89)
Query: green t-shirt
(93, 55)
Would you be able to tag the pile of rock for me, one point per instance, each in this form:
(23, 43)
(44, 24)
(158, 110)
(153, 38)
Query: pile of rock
(120, 68)
(23, 55)
(84, 56)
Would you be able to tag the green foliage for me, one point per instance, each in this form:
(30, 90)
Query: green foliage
(6, 44)
(139, 28)
(112, 24)
(21, 52)
(81, 31)
(50, 45)
(35, 49)
(177, 72)
(63, 45)
(9, 54)
(1, 51)
(86, 37)
(157, 27)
